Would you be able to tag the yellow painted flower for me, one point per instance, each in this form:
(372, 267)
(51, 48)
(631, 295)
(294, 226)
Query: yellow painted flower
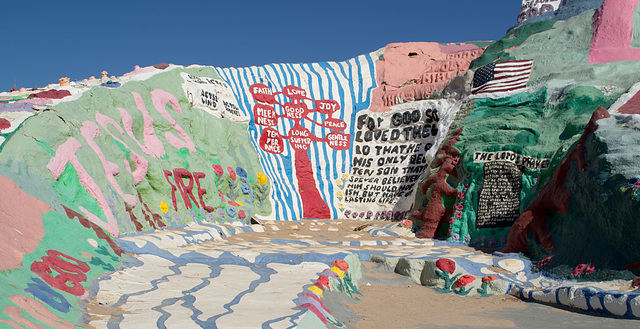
(340, 194)
(340, 205)
(338, 182)
(164, 207)
(345, 176)
(240, 203)
(262, 178)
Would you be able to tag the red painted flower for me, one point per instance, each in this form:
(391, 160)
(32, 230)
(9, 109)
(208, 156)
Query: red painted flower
(590, 269)
(446, 265)
(231, 173)
(451, 220)
(489, 278)
(241, 214)
(341, 264)
(218, 169)
(323, 280)
(458, 206)
(461, 195)
(233, 203)
(455, 161)
(458, 215)
(464, 280)
(544, 262)
(578, 269)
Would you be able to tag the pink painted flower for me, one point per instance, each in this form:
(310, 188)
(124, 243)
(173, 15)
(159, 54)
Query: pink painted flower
(464, 280)
(455, 161)
(221, 196)
(458, 215)
(451, 220)
(341, 264)
(406, 223)
(218, 169)
(489, 278)
(458, 206)
(446, 265)
(232, 173)
(590, 269)
(461, 195)
(544, 262)
(241, 214)
(578, 269)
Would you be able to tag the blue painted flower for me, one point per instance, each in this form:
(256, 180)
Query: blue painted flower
(231, 212)
(241, 172)
(245, 188)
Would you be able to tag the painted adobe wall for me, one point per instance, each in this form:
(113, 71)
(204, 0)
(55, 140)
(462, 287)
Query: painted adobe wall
(167, 146)
(548, 171)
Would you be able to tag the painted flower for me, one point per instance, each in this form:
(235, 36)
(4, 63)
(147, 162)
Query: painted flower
(467, 238)
(340, 194)
(589, 269)
(633, 181)
(464, 280)
(347, 212)
(458, 214)
(233, 203)
(340, 205)
(241, 172)
(449, 232)
(369, 213)
(406, 223)
(338, 182)
(461, 195)
(455, 237)
(240, 203)
(466, 187)
(218, 169)
(446, 265)
(231, 212)
(221, 213)
(489, 278)
(241, 214)
(245, 188)
(262, 178)
(458, 206)
(578, 269)
(362, 214)
(345, 176)
(455, 161)
(341, 264)
(389, 214)
(492, 241)
(231, 173)
(221, 196)
(323, 280)
(452, 220)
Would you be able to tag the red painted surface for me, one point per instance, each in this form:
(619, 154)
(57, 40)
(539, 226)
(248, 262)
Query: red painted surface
(553, 197)
(435, 212)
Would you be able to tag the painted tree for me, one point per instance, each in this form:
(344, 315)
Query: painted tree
(268, 111)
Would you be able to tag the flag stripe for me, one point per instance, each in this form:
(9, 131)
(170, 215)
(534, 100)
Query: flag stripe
(510, 76)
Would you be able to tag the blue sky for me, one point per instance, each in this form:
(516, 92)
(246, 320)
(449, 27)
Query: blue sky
(46, 40)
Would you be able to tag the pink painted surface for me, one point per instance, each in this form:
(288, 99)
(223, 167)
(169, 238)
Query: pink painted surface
(66, 153)
(152, 144)
(21, 218)
(140, 70)
(142, 165)
(37, 101)
(90, 130)
(613, 32)
(414, 70)
(160, 100)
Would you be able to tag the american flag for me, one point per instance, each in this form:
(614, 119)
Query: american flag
(506, 78)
